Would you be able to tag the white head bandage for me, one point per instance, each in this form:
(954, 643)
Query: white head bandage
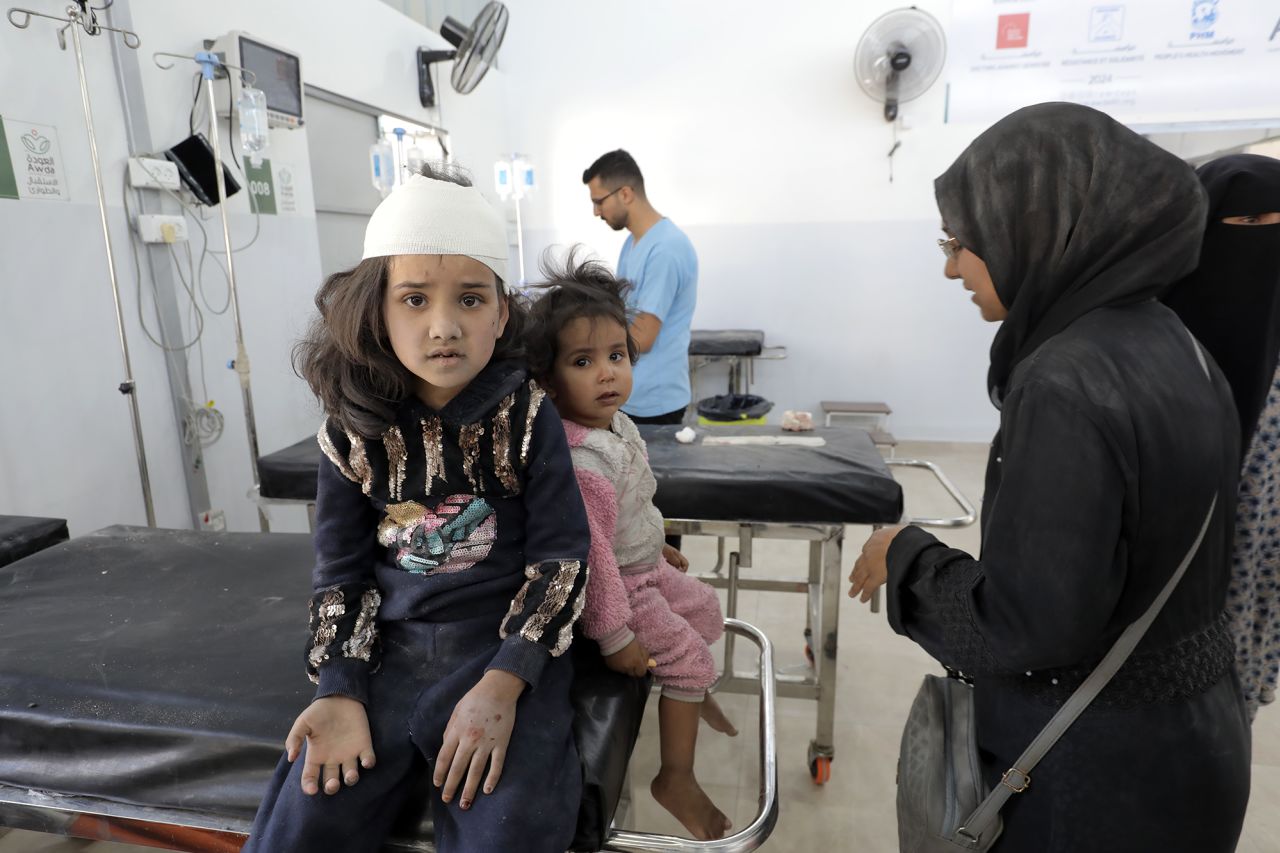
(425, 216)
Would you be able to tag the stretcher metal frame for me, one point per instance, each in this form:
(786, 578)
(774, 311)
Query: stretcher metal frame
(822, 589)
(178, 829)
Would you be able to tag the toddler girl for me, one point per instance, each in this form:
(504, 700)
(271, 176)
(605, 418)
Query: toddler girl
(639, 604)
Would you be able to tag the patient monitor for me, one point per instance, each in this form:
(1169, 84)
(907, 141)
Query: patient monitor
(276, 71)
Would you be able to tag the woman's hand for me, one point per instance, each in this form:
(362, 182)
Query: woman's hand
(336, 731)
(675, 558)
(632, 659)
(871, 571)
(478, 733)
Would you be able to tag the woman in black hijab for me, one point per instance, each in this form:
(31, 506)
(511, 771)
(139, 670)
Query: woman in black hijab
(1232, 304)
(1115, 437)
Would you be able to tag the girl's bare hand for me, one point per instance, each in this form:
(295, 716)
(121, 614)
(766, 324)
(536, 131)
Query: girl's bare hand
(631, 659)
(675, 558)
(336, 732)
(478, 734)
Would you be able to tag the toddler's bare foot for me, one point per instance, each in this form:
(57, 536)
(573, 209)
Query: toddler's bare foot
(715, 717)
(680, 794)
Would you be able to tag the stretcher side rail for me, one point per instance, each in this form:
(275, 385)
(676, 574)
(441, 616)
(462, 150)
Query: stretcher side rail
(757, 832)
(969, 514)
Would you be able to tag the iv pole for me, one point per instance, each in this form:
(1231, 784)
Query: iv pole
(79, 17)
(209, 64)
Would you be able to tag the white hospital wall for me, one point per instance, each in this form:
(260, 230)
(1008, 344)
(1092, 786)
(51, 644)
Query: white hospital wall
(755, 138)
(65, 438)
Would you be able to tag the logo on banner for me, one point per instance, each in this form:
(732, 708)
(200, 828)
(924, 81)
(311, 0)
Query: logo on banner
(1106, 23)
(1012, 30)
(34, 167)
(1204, 15)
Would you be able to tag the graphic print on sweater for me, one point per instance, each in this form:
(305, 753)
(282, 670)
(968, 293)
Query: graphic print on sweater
(453, 537)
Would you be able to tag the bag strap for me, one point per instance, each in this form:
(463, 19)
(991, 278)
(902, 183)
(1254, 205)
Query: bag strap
(1016, 779)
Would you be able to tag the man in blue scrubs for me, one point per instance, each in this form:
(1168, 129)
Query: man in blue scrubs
(661, 265)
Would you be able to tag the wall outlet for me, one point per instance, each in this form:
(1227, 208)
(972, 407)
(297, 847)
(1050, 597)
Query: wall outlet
(213, 519)
(159, 228)
(150, 173)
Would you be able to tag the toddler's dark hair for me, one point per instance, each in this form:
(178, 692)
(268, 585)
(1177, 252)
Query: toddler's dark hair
(572, 289)
(346, 356)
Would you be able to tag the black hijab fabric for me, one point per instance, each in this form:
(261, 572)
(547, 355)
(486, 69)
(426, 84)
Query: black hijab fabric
(1232, 301)
(1071, 211)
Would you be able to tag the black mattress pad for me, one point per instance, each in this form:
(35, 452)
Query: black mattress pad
(163, 668)
(844, 482)
(722, 342)
(22, 535)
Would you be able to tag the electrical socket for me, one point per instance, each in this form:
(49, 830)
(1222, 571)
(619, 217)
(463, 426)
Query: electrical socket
(150, 173)
(159, 228)
(213, 519)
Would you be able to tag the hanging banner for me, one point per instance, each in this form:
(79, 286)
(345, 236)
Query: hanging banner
(35, 160)
(1140, 61)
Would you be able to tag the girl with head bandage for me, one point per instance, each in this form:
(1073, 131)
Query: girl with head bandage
(451, 548)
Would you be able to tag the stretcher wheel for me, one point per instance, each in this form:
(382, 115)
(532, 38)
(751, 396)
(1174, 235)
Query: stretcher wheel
(819, 764)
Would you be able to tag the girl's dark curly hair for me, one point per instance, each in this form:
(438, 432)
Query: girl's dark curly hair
(573, 289)
(346, 356)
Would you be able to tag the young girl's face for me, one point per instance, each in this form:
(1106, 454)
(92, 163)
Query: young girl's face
(444, 314)
(591, 377)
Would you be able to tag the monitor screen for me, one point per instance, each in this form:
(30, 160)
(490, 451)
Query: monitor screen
(277, 73)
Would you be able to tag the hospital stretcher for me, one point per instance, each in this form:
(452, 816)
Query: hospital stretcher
(738, 348)
(739, 494)
(147, 679)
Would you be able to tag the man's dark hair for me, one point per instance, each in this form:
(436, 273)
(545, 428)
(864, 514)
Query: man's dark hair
(346, 355)
(571, 290)
(616, 169)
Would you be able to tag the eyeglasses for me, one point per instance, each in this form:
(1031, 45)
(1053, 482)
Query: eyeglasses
(950, 247)
(599, 201)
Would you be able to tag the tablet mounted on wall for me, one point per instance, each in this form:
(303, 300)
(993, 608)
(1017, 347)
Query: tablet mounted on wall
(194, 158)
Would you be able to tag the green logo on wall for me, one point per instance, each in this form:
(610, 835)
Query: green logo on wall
(8, 184)
(262, 191)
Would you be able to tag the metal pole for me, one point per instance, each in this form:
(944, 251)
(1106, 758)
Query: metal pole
(128, 387)
(519, 240)
(207, 63)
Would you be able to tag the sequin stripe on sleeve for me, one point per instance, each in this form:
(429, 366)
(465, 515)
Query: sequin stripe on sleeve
(536, 396)
(343, 624)
(557, 588)
(334, 455)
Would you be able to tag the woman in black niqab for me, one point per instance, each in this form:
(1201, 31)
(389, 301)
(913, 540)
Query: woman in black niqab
(1231, 302)
(1116, 436)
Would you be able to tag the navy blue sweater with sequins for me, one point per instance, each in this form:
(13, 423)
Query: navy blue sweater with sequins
(450, 515)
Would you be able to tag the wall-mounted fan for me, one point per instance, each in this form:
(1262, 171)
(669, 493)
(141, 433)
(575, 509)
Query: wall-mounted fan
(475, 48)
(899, 57)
